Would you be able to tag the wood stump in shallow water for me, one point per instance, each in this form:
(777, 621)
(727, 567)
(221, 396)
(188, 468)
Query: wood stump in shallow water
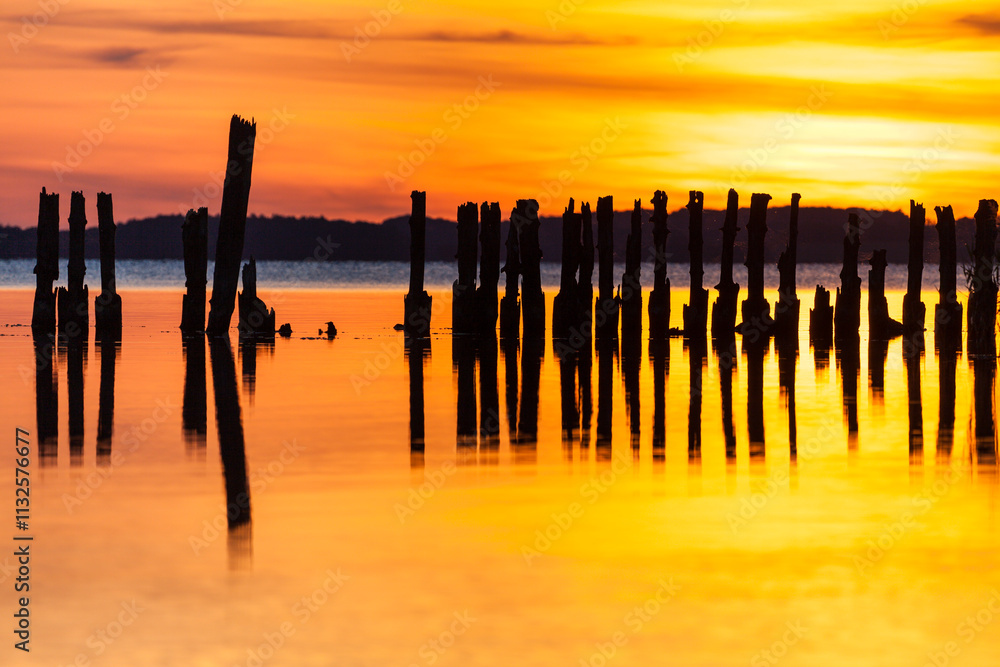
(43, 316)
(417, 302)
(607, 307)
(463, 290)
(255, 318)
(880, 325)
(913, 308)
(982, 283)
(72, 301)
(725, 306)
(194, 233)
(696, 310)
(659, 298)
(786, 312)
(107, 306)
(948, 311)
(847, 315)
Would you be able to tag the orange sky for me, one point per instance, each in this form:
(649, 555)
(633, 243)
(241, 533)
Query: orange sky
(864, 103)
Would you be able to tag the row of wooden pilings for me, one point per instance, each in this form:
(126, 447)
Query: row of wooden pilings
(577, 316)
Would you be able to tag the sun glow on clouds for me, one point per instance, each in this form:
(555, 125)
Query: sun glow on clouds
(707, 96)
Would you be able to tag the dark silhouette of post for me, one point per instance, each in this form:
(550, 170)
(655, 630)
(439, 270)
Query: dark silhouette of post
(849, 358)
(108, 350)
(696, 310)
(585, 287)
(631, 364)
(982, 288)
(72, 301)
(510, 306)
(527, 423)
(696, 359)
(847, 316)
(107, 306)
(880, 325)
(46, 397)
(487, 299)
(232, 225)
(76, 358)
(532, 297)
(911, 358)
(607, 350)
(508, 350)
(878, 352)
(788, 355)
(786, 312)
(569, 398)
(727, 369)
(585, 363)
(659, 298)
(755, 399)
(43, 316)
(757, 323)
(255, 318)
(194, 406)
(608, 305)
(984, 409)
(724, 309)
(463, 290)
(463, 361)
(948, 311)
(947, 365)
(821, 320)
(565, 309)
(416, 350)
(631, 295)
(913, 307)
(489, 394)
(194, 233)
(659, 356)
(417, 303)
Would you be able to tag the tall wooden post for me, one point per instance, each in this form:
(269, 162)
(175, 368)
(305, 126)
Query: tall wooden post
(463, 317)
(724, 309)
(43, 316)
(72, 301)
(585, 297)
(532, 299)
(696, 310)
(607, 306)
(232, 225)
(982, 288)
(786, 312)
(417, 302)
(489, 270)
(880, 325)
(631, 301)
(194, 233)
(510, 306)
(564, 307)
(847, 316)
(948, 311)
(757, 323)
(659, 298)
(108, 306)
(913, 307)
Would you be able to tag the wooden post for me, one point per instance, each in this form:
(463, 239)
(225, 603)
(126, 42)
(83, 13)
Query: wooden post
(194, 233)
(510, 306)
(608, 305)
(417, 303)
(880, 325)
(463, 290)
(724, 309)
(982, 288)
(821, 320)
(696, 310)
(72, 301)
(532, 299)
(757, 323)
(565, 309)
(948, 311)
(108, 306)
(489, 271)
(43, 316)
(786, 312)
(585, 286)
(847, 315)
(255, 318)
(659, 298)
(232, 225)
(631, 300)
(913, 307)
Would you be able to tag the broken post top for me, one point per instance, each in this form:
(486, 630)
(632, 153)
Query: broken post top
(106, 231)
(77, 268)
(489, 239)
(513, 265)
(696, 200)
(586, 246)
(250, 279)
(47, 232)
(878, 260)
(606, 246)
(468, 231)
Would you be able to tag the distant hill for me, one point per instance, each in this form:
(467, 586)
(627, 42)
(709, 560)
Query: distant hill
(821, 233)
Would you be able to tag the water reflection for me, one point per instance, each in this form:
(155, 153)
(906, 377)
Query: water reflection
(508, 351)
(659, 357)
(726, 354)
(417, 352)
(249, 347)
(568, 394)
(788, 357)
(607, 355)
(984, 410)
(878, 353)
(46, 399)
(108, 349)
(849, 360)
(463, 359)
(525, 449)
(947, 365)
(194, 408)
(489, 402)
(913, 352)
(755, 354)
(76, 357)
(631, 363)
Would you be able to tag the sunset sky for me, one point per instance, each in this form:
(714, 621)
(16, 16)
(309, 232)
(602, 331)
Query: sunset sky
(850, 103)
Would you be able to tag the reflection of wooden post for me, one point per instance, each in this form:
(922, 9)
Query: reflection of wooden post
(913, 308)
(607, 306)
(255, 318)
(786, 312)
(659, 298)
(72, 301)
(880, 325)
(194, 233)
(232, 225)
(43, 316)
(948, 311)
(847, 316)
(417, 303)
(489, 270)
(821, 319)
(696, 310)
(564, 306)
(532, 299)
(585, 298)
(982, 288)
(631, 301)
(757, 321)
(108, 306)
(463, 290)
(724, 309)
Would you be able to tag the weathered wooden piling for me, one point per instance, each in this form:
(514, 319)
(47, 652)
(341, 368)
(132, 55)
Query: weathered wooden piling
(232, 225)
(194, 233)
(532, 297)
(631, 294)
(696, 310)
(786, 312)
(417, 302)
(821, 319)
(43, 316)
(913, 308)
(107, 306)
(463, 290)
(880, 325)
(255, 318)
(982, 288)
(510, 305)
(487, 299)
(585, 286)
(725, 306)
(757, 323)
(948, 311)
(847, 314)
(72, 301)
(659, 298)
(608, 305)
(565, 310)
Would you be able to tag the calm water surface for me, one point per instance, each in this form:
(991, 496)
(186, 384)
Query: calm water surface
(672, 526)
